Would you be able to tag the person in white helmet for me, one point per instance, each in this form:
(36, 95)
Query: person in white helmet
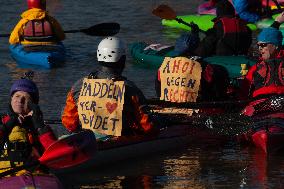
(105, 101)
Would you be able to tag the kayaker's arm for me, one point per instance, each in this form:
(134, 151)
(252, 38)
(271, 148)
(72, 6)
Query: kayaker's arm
(17, 32)
(70, 117)
(241, 7)
(59, 33)
(278, 21)
(46, 135)
(207, 46)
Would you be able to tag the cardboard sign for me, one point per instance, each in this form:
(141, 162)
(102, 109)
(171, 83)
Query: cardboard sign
(180, 79)
(100, 105)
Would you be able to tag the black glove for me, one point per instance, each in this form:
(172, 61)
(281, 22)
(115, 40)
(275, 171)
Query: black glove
(10, 123)
(194, 28)
(37, 117)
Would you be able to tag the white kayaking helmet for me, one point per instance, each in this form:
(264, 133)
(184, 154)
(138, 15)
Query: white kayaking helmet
(110, 49)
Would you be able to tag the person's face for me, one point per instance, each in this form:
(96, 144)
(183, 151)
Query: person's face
(266, 50)
(19, 102)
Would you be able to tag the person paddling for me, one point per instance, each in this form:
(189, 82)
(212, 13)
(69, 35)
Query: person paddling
(266, 77)
(229, 36)
(23, 134)
(105, 101)
(37, 27)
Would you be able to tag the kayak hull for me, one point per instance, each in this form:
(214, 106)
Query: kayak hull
(124, 148)
(153, 59)
(270, 139)
(28, 181)
(44, 56)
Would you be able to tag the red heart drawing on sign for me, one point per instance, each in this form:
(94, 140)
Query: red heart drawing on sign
(111, 107)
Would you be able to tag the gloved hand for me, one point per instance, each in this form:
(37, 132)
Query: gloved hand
(194, 28)
(37, 117)
(9, 122)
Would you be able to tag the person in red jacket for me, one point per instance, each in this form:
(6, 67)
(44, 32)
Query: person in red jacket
(23, 134)
(105, 101)
(266, 77)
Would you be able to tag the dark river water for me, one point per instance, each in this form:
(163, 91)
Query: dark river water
(199, 165)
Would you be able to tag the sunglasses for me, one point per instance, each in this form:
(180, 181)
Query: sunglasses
(262, 45)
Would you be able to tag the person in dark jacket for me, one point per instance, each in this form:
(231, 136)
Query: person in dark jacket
(229, 35)
(23, 135)
(105, 101)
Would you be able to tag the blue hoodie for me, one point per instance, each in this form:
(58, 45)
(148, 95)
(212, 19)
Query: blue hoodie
(242, 9)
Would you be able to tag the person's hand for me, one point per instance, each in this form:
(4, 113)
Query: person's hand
(37, 117)
(9, 122)
(280, 18)
(194, 27)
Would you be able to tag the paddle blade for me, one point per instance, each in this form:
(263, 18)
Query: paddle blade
(165, 12)
(4, 35)
(70, 151)
(103, 29)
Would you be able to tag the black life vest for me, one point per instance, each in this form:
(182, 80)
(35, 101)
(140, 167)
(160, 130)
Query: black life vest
(269, 74)
(16, 146)
(236, 37)
(39, 30)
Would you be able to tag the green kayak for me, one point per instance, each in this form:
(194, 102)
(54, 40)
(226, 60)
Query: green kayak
(205, 22)
(153, 59)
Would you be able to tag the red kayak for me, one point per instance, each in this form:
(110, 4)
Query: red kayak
(270, 139)
(267, 135)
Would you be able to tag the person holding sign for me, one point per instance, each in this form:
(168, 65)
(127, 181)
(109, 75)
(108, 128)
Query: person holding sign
(36, 27)
(23, 134)
(105, 101)
(181, 79)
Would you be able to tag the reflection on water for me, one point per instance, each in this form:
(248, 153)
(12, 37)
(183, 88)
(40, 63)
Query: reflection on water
(230, 166)
(199, 166)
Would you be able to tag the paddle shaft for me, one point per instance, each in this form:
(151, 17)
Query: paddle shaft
(102, 29)
(212, 104)
(179, 20)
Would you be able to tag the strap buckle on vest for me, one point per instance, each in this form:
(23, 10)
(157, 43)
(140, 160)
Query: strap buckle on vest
(18, 146)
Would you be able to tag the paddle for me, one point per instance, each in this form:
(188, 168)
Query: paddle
(234, 123)
(103, 29)
(211, 104)
(229, 124)
(166, 12)
(67, 152)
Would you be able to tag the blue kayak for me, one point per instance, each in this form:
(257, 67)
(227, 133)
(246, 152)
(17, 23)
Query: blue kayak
(47, 56)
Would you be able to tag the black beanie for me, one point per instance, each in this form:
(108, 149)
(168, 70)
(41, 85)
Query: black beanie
(224, 8)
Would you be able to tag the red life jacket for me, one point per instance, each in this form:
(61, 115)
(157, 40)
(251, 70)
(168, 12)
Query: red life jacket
(233, 25)
(269, 78)
(38, 30)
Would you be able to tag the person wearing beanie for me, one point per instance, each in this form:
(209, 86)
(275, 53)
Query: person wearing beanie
(248, 10)
(37, 27)
(23, 134)
(229, 35)
(266, 77)
(107, 102)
